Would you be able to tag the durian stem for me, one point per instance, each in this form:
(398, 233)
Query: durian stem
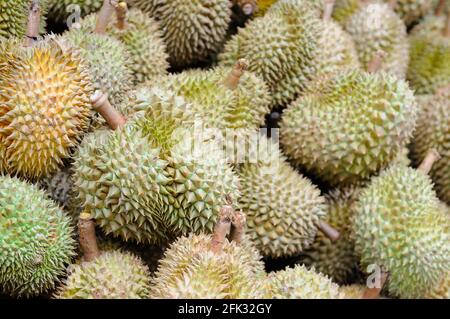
(440, 9)
(34, 20)
(87, 237)
(427, 163)
(328, 10)
(328, 231)
(376, 63)
(101, 104)
(232, 80)
(374, 293)
(248, 7)
(104, 16)
(121, 14)
(222, 228)
(392, 4)
(238, 223)
(446, 32)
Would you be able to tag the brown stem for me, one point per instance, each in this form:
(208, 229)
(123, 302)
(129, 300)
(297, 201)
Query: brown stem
(232, 80)
(440, 9)
(374, 293)
(427, 163)
(376, 63)
(328, 10)
(392, 4)
(238, 222)
(222, 228)
(121, 14)
(104, 16)
(328, 231)
(446, 31)
(101, 104)
(248, 7)
(88, 240)
(34, 20)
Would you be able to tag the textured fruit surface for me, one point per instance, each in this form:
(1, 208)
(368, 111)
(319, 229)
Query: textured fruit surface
(401, 207)
(112, 275)
(300, 283)
(61, 10)
(151, 7)
(36, 241)
(190, 269)
(350, 130)
(352, 291)
(433, 132)
(441, 291)
(44, 107)
(58, 186)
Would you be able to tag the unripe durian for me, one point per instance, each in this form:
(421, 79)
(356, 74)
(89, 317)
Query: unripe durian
(36, 240)
(400, 227)
(433, 132)
(300, 283)
(354, 127)
(112, 275)
(61, 10)
(14, 16)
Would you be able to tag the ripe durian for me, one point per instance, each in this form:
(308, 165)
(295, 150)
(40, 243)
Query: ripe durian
(36, 240)
(347, 127)
(300, 283)
(143, 40)
(112, 275)
(336, 259)
(44, 107)
(61, 10)
(283, 208)
(14, 16)
(433, 132)
(400, 227)
(374, 28)
(429, 67)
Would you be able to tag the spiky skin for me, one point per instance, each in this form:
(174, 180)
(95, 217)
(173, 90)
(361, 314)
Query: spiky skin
(61, 10)
(344, 9)
(112, 275)
(429, 69)
(190, 269)
(300, 283)
(401, 207)
(143, 41)
(352, 291)
(375, 27)
(336, 259)
(44, 108)
(36, 240)
(280, 221)
(150, 7)
(441, 291)
(58, 187)
(263, 6)
(347, 133)
(433, 132)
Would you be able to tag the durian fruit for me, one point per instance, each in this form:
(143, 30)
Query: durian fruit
(433, 132)
(14, 16)
(376, 27)
(205, 266)
(150, 7)
(263, 6)
(441, 291)
(400, 228)
(336, 259)
(283, 208)
(112, 275)
(44, 107)
(300, 283)
(344, 9)
(429, 69)
(61, 10)
(354, 291)
(58, 186)
(143, 40)
(354, 127)
(36, 240)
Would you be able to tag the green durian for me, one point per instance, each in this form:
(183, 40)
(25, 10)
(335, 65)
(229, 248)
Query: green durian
(354, 127)
(283, 208)
(36, 240)
(400, 227)
(112, 275)
(429, 67)
(150, 7)
(374, 28)
(336, 259)
(433, 132)
(44, 106)
(300, 283)
(61, 11)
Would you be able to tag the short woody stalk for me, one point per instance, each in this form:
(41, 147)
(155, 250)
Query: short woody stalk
(446, 31)
(328, 230)
(427, 163)
(233, 78)
(101, 104)
(392, 4)
(440, 9)
(238, 223)
(104, 16)
(376, 63)
(374, 293)
(121, 14)
(34, 19)
(87, 237)
(328, 9)
(222, 229)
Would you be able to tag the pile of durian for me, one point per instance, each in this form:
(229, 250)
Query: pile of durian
(224, 149)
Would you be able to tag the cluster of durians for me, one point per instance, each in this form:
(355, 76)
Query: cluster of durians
(133, 166)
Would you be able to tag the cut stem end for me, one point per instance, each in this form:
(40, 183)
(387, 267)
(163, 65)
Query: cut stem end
(121, 14)
(328, 231)
(104, 16)
(34, 20)
(233, 78)
(328, 10)
(222, 229)
(87, 237)
(101, 104)
(427, 164)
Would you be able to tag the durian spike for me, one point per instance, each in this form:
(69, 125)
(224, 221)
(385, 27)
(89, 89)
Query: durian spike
(232, 80)
(87, 237)
(376, 63)
(374, 293)
(328, 231)
(104, 15)
(101, 104)
(446, 32)
(238, 222)
(429, 160)
(248, 7)
(328, 9)
(121, 13)
(440, 9)
(34, 18)
(222, 228)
